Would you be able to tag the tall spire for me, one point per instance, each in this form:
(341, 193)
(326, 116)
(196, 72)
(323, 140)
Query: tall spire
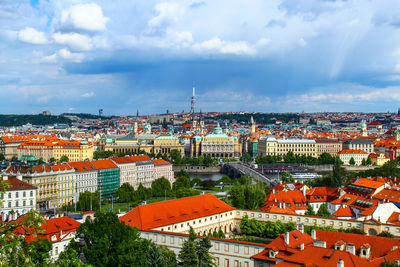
(193, 101)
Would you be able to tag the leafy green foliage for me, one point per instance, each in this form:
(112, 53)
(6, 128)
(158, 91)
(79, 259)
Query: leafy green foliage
(246, 158)
(182, 180)
(196, 181)
(186, 192)
(154, 257)
(352, 230)
(386, 234)
(338, 173)
(287, 177)
(290, 157)
(388, 264)
(246, 195)
(2, 157)
(64, 158)
(100, 154)
(264, 229)
(69, 258)
(18, 120)
(195, 252)
(39, 250)
(161, 187)
(110, 242)
(126, 193)
(323, 211)
(89, 201)
(352, 161)
(168, 256)
(310, 211)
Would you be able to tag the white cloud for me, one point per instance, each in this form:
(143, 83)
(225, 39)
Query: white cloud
(32, 36)
(88, 17)
(75, 41)
(88, 95)
(167, 13)
(63, 54)
(216, 45)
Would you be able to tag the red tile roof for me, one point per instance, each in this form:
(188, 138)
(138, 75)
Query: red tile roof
(82, 166)
(17, 184)
(173, 211)
(344, 212)
(103, 164)
(352, 151)
(365, 182)
(161, 162)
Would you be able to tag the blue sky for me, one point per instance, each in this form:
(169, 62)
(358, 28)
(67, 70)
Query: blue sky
(255, 55)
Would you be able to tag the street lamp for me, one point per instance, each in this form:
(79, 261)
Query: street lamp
(82, 243)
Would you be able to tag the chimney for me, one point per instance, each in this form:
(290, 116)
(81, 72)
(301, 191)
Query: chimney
(351, 248)
(283, 205)
(301, 228)
(19, 177)
(287, 238)
(304, 191)
(5, 178)
(340, 263)
(302, 246)
(313, 234)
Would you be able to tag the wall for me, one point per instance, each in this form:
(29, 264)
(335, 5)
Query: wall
(235, 252)
(197, 169)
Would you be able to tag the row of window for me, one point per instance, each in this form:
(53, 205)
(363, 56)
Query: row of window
(17, 203)
(17, 194)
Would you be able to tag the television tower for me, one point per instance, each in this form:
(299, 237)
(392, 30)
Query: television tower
(193, 101)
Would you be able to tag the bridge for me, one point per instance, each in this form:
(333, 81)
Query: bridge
(246, 170)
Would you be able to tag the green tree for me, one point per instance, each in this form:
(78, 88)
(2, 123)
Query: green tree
(310, 211)
(369, 161)
(126, 193)
(246, 195)
(154, 257)
(110, 242)
(52, 160)
(386, 234)
(208, 161)
(89, 201)
(289, 157)
(188, 254)
(326, 158)
(40, 161)
(69, 258)
(388, 264)
(169, 257)
(246, 158)
(363, 162)
(352, 161)
(287, 177)
(323, 211)
(143, 193)
(12, 240)
(337, 173)
(205, 257)
(196, 181)
(160, 187)
(14, 158)
(176, 156)
(39, 251)
(183, 180)
(64, 158)
(2, 157)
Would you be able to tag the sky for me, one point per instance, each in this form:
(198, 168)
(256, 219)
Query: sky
(253, 55)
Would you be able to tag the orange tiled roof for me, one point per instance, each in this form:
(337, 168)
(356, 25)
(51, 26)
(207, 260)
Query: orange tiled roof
(161, 162)
(17, 184)
(102, 164)
(344, 212)
(174, 211)
(365, 182)
(352, 151)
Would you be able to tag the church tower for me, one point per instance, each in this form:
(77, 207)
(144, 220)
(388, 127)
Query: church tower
(364, 131)
(252, 125)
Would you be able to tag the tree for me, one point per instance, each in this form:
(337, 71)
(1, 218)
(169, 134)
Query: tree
(188, 254)
(12, 240)
(245, 195)
(110, 242)
(352, 161)
(175, 156)
(64, 158)
(207, 161)
(310, 211)
(69, 258)
(39, 250)
(40, 161)
(323, 211)
(246, 158)
(160, 187)
(143, 193)
(196, 181)
(186, 192)
(2, 157)
(337, 173)
(89, 201)
(154, 257)
(205, 258)
(183, 180)
(326, 158)
(287, 177)
(14, 158)
(369, 161)
(389, 264)
(169, 257)
(386, 234)
(126, 193)
(52, 160)
(363, 162)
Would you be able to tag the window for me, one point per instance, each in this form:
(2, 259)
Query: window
(24, 194)
(9, 204)
(9, 195)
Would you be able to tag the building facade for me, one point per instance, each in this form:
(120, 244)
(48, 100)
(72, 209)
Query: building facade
(163, 168)
(107, 177)
(330, 146)
(86, 177)
(18, 199)
(360, 144)
(357, 154)
(270, 146)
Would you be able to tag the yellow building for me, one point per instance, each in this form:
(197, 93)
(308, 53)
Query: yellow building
(378, 159)
(268, 145)
(149, 143)
(56, 148)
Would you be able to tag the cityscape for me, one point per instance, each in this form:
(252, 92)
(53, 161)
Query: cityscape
(200, 133)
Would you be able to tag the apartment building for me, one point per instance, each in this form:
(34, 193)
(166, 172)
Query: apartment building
(86, 177)
(107, 177)
(18, 198)
(163, 168)
(331, 146)
(357, 154)
(269, 145)
(364, 144)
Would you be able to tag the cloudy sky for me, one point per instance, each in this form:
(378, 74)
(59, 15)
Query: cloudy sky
(254, 55)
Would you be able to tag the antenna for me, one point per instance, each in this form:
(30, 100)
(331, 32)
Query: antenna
(193, 101)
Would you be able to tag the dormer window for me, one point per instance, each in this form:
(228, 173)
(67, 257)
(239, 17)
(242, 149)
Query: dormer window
(272, 253)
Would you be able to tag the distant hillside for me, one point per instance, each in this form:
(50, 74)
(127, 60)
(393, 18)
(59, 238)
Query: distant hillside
(260, 117)
(84, 116)
(18, 120)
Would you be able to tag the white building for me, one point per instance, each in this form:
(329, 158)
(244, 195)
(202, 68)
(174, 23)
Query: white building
(128, 170)
(85, 176)
(18, 199)
(163, 168)
(357, 154)
(269, 145)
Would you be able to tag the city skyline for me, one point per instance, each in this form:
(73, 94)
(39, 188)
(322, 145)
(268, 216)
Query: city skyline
(281, 56)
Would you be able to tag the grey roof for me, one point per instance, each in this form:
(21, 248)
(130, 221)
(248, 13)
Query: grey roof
(361, 141)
